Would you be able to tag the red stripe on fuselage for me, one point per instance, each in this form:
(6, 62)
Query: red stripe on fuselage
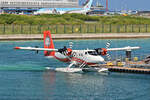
(73, 59)
(81, 61)
(62, 59)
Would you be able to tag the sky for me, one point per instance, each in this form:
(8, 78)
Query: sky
(127, 4)
(124, 4)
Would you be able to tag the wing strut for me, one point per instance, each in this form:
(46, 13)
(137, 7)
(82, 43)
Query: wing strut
(71, 64)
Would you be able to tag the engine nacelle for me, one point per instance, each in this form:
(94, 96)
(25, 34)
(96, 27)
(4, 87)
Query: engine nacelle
(101, 51)
(65, 51)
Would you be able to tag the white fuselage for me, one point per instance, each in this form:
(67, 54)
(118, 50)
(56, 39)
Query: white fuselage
(80, 56)
(83, 10)
(50, 11)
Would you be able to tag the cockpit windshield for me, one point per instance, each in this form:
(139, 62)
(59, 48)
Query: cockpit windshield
(92, 53)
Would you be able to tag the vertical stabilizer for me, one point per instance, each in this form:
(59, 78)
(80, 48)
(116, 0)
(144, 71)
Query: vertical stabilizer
(88, 5)
(48, 43)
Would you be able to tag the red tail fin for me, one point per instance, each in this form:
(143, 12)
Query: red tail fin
(48, 43)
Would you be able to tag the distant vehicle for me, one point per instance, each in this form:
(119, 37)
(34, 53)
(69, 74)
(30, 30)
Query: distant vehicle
(83, 10)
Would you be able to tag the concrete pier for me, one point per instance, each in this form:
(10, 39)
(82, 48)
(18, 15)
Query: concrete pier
(129, 70)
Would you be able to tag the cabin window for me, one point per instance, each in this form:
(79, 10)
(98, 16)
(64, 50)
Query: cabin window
(92, 53)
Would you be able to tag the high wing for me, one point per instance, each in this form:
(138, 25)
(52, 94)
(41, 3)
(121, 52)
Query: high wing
(100, 50)
(47, 49)
(36, 49)
(124, 48)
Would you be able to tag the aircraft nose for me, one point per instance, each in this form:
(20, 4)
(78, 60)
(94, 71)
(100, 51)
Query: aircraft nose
(101, 59)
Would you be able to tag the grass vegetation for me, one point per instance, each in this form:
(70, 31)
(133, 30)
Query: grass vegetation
(70, 19)
(72, 23)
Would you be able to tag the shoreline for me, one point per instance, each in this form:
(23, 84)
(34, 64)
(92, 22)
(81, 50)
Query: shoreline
(14, 37)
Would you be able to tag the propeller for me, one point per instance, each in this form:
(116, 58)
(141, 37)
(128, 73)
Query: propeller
(107, 45)
(108, 55)
(71, 44)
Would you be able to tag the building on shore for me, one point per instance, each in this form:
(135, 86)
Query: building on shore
(144, 13)
(97, 10)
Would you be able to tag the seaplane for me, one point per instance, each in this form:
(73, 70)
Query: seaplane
(78, 60)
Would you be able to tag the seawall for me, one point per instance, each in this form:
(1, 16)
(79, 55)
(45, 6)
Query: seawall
(75, 36)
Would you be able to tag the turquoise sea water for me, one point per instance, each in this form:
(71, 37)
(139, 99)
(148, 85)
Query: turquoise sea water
(23, 75)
